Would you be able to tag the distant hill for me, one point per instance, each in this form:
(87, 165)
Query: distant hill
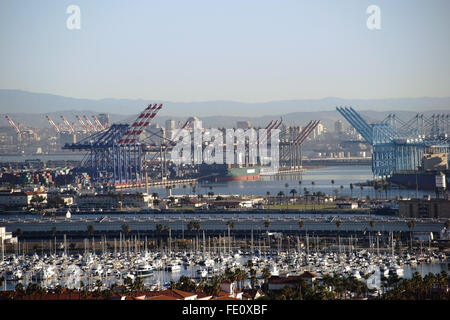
(31, 108)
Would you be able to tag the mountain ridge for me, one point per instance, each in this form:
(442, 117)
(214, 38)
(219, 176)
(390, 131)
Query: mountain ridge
(20, 101)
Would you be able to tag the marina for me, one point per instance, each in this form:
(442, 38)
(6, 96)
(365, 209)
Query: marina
(157, 268)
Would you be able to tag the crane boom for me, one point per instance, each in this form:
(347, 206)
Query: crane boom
(71, 129)
(13, 125)
(98, 123)
(53, 124)
(86, 128)
(93, 128)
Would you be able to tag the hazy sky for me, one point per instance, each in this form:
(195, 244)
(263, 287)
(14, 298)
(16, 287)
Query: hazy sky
(242, 50)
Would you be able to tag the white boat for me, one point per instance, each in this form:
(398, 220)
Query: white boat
(274, 270)
(203, 273)
(97, 270)
(209, 262)
(384, 271)
(144, 271)
(173, 267)
(46, 273)
(396, 270)
(129, 275)
(356, 274)
(13, 275)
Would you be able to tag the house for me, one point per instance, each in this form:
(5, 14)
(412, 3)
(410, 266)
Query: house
(278, 283)
(232, 204)
(229, 288)
(347, 205)
(169, 294)
(252, 294)
(192, 203)
(113, 200)
(225, 298)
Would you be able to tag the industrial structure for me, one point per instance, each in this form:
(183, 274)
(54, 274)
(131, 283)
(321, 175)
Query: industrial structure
(399, 146)
(116, 155)
(123, 154)
(290, 149)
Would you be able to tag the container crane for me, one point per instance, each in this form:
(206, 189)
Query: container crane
(53, 124)
(71, 129)
(98, 123)
(93, 128)
(13, 125)
(85, 127)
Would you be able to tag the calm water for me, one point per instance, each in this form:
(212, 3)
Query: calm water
(342, 176)
(42, 157)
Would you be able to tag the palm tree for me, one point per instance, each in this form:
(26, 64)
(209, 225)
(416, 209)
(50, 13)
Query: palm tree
(267, 224)
(266, 274)
(125, 228)
(90, 229)
(194, 225)
(240, 277)
(252, 273)
(386, 187)
(301, 224)
(19, 232)
(447, 224)
(305, 193)
(53, 230)
(138, 284)
(338, 225)
(411, 224)
(37, 200)
(280, 195)
(301, 286)
(293, 192)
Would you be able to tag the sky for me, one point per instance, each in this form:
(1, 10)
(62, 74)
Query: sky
(240, 50)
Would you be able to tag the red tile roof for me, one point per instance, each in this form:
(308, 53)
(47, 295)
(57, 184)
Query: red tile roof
(184, 294)
(160, 297)
(225, 298)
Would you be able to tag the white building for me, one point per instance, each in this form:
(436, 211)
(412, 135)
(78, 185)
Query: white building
(132, 200)
(6, 237)
(20, 199)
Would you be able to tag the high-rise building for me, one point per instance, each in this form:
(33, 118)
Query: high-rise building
(243, 125)
(338, 127)
(170, 125)
(318, 131)
(104, 119)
